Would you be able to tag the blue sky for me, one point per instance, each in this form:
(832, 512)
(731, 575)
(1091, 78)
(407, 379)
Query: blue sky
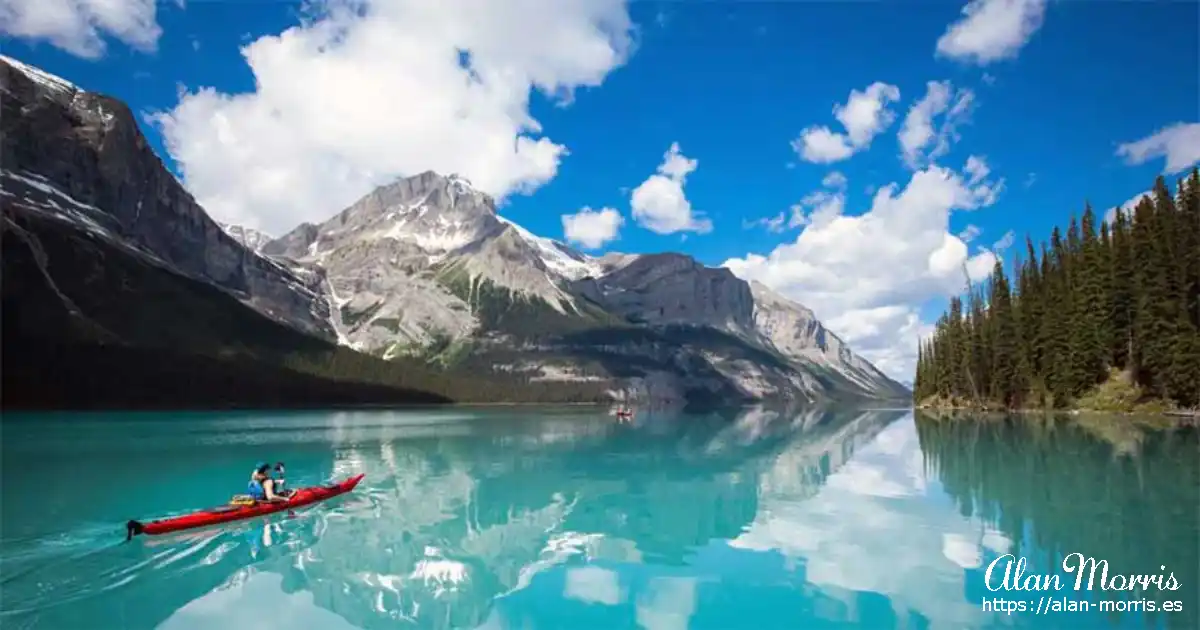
(1041, 96)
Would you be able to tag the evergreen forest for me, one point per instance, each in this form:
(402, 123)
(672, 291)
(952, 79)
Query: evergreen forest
(1105, 303)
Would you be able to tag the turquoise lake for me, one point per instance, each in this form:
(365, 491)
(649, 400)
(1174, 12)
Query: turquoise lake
(569, 519)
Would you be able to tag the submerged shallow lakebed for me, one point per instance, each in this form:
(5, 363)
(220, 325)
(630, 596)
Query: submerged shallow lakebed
(565, 518)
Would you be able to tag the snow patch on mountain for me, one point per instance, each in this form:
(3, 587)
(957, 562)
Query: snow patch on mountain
(508, 260)
(250, 238)
(558, 257)
(438, 235)
(46, 80)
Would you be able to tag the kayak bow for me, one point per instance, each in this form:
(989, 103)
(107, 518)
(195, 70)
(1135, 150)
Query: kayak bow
(227, 513)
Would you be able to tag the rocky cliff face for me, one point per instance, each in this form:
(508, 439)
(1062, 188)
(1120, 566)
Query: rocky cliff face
(673, 289)
(795, 331)
(79, 156)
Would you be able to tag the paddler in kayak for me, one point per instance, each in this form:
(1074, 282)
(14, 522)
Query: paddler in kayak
(261, 486)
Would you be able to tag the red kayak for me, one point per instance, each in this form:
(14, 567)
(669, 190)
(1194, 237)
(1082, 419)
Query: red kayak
(227, 513)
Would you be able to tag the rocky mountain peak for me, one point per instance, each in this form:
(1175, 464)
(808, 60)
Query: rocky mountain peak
(767, 297)
(250, 238)
(433, 213)
(448, 194)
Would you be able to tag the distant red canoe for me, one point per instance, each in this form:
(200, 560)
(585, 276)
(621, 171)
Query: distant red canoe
(228, 513)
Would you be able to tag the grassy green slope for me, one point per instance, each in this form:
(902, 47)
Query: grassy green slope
(586, 336)
(523, 317)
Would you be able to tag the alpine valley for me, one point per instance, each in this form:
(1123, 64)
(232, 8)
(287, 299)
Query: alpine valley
(118, 287)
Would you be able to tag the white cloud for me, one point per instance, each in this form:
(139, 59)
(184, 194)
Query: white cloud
(882, 334)
(80, 26)
(822, 206)
(775, 224)
(976, 168)
(818, 207)
(822, 145)
(834, 180)
(659, 203)
(969, 233)
(977, 171)
(1179, 143)
(592, 228)
(920, 138)
(1005, 242)
(992, 30)
(354, 96)
(866, 276)
(865, 114)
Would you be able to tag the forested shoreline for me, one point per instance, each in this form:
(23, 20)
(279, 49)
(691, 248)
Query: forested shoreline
(1105, 316)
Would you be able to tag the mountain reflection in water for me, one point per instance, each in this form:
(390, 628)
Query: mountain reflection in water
(754, 518)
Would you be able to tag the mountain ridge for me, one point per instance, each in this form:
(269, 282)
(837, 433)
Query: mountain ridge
(80, 156)
(467, 266)
(421, 270)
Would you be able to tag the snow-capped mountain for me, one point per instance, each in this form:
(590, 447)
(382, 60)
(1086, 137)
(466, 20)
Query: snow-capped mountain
(392, 259)
(426, 261)
(423, 266)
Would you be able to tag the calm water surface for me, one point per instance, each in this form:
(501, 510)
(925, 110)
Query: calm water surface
(571, 520)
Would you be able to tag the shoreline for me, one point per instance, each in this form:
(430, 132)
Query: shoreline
(231, 408)
(1184, 417)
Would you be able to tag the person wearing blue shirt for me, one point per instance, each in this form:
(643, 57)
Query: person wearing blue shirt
(261, 486)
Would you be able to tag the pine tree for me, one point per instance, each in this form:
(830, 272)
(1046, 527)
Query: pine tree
(1122, 300)
(1156, 316)
(1032, 311)
(1057, 323)
(1184, 372)
(1006, 385)
(1089, 343)
(1125, 296)
(1103, 279)
(1189, 229)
